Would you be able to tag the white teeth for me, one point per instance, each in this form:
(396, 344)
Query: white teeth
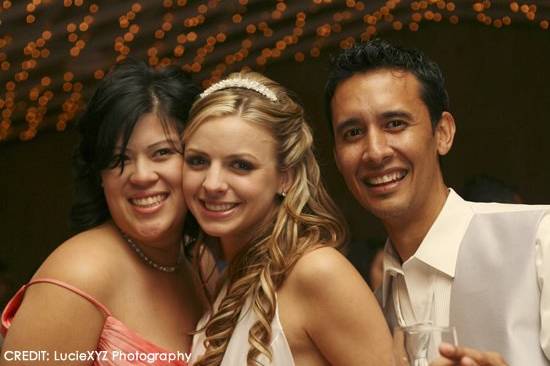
(219, 206)
(386, 178)
(149, 201)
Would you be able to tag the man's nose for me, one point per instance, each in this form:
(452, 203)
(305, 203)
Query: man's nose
(377, 149)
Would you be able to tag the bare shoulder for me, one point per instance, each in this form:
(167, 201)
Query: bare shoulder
(321, 269)
(339, 313)
(87, 261)
(51, 317)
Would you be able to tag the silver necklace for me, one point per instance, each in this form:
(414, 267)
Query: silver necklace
(152, 263)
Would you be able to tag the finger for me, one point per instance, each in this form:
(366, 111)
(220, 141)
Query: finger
(448, 350)
(443, 361)
(473, 354)
(467, 361)
(481, 358)
(491, 359)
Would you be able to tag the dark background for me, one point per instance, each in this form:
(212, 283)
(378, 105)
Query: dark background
(499, 86)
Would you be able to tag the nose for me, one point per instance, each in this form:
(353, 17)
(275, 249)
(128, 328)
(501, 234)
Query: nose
(377, 148)
(142, 172)
(214, 180)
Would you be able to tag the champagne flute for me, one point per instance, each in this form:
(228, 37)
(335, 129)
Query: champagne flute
(418, 345)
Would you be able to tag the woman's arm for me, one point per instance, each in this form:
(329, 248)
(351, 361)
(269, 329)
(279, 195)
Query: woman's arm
(53, 320)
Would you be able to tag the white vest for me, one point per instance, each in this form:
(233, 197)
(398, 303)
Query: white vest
(495, 298)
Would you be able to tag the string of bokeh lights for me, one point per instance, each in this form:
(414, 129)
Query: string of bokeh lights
(209, 38)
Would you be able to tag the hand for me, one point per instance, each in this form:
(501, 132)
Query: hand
(463, 356)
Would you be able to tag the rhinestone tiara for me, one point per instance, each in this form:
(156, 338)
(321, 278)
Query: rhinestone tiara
(240, 82)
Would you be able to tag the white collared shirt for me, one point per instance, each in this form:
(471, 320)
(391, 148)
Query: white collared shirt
(420, 288)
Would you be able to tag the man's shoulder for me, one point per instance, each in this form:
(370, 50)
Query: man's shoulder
(503, 220)
(505, 208)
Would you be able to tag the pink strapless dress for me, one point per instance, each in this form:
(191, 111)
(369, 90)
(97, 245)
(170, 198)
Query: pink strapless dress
(117, 346)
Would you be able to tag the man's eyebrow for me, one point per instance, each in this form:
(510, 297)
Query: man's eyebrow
(396, 114)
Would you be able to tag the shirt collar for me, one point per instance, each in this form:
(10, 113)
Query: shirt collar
(391, 267)
(439, 248)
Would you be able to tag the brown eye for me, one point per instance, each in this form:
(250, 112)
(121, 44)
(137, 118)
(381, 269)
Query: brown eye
(242, 165)
(164, 152)
(117, 160)
(396, 124)
(353, 132)
(195, 160)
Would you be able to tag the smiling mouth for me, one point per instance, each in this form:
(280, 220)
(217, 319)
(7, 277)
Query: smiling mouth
(218, 207)
(386, 178)
(150, 201)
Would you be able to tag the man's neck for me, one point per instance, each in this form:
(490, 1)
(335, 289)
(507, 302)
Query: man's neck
(406, 232)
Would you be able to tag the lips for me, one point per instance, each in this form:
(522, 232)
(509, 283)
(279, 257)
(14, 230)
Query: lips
(384, 179)
(148, 201)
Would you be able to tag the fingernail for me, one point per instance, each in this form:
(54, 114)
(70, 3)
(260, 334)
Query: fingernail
(446, 347)
(467, 361)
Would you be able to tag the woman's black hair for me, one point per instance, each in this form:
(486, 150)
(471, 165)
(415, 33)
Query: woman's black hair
(131, 90)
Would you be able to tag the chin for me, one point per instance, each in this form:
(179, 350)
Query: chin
(388, 211)
(215, 230)
(151, 233)
(385, 207)
(158, 227)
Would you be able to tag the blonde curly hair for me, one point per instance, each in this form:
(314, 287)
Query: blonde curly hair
(306, 218)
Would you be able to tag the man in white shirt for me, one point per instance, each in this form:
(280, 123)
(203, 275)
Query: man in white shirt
(478, 267)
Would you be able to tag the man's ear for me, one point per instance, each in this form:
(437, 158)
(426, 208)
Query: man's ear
(445, 133)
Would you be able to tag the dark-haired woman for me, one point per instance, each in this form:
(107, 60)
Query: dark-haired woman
(122, 286)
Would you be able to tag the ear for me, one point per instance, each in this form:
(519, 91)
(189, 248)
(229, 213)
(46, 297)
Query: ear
(445, 133)
(285, 180)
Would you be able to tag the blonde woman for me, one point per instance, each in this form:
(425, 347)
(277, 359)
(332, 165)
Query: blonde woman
(286, 296)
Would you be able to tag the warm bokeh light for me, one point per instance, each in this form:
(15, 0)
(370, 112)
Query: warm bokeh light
(209, 37)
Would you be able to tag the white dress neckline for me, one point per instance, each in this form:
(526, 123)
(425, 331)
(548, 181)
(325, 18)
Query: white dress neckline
(237, 349)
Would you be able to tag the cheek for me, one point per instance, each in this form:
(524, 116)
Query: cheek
(259, 189)
(420, 146)
(192, 184)
(174, 172)
(175, 180)
(425, 160)
(110, 186)
(348, 160)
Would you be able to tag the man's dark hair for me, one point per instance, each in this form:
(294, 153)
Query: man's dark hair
(379, 54)
(131, 90)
